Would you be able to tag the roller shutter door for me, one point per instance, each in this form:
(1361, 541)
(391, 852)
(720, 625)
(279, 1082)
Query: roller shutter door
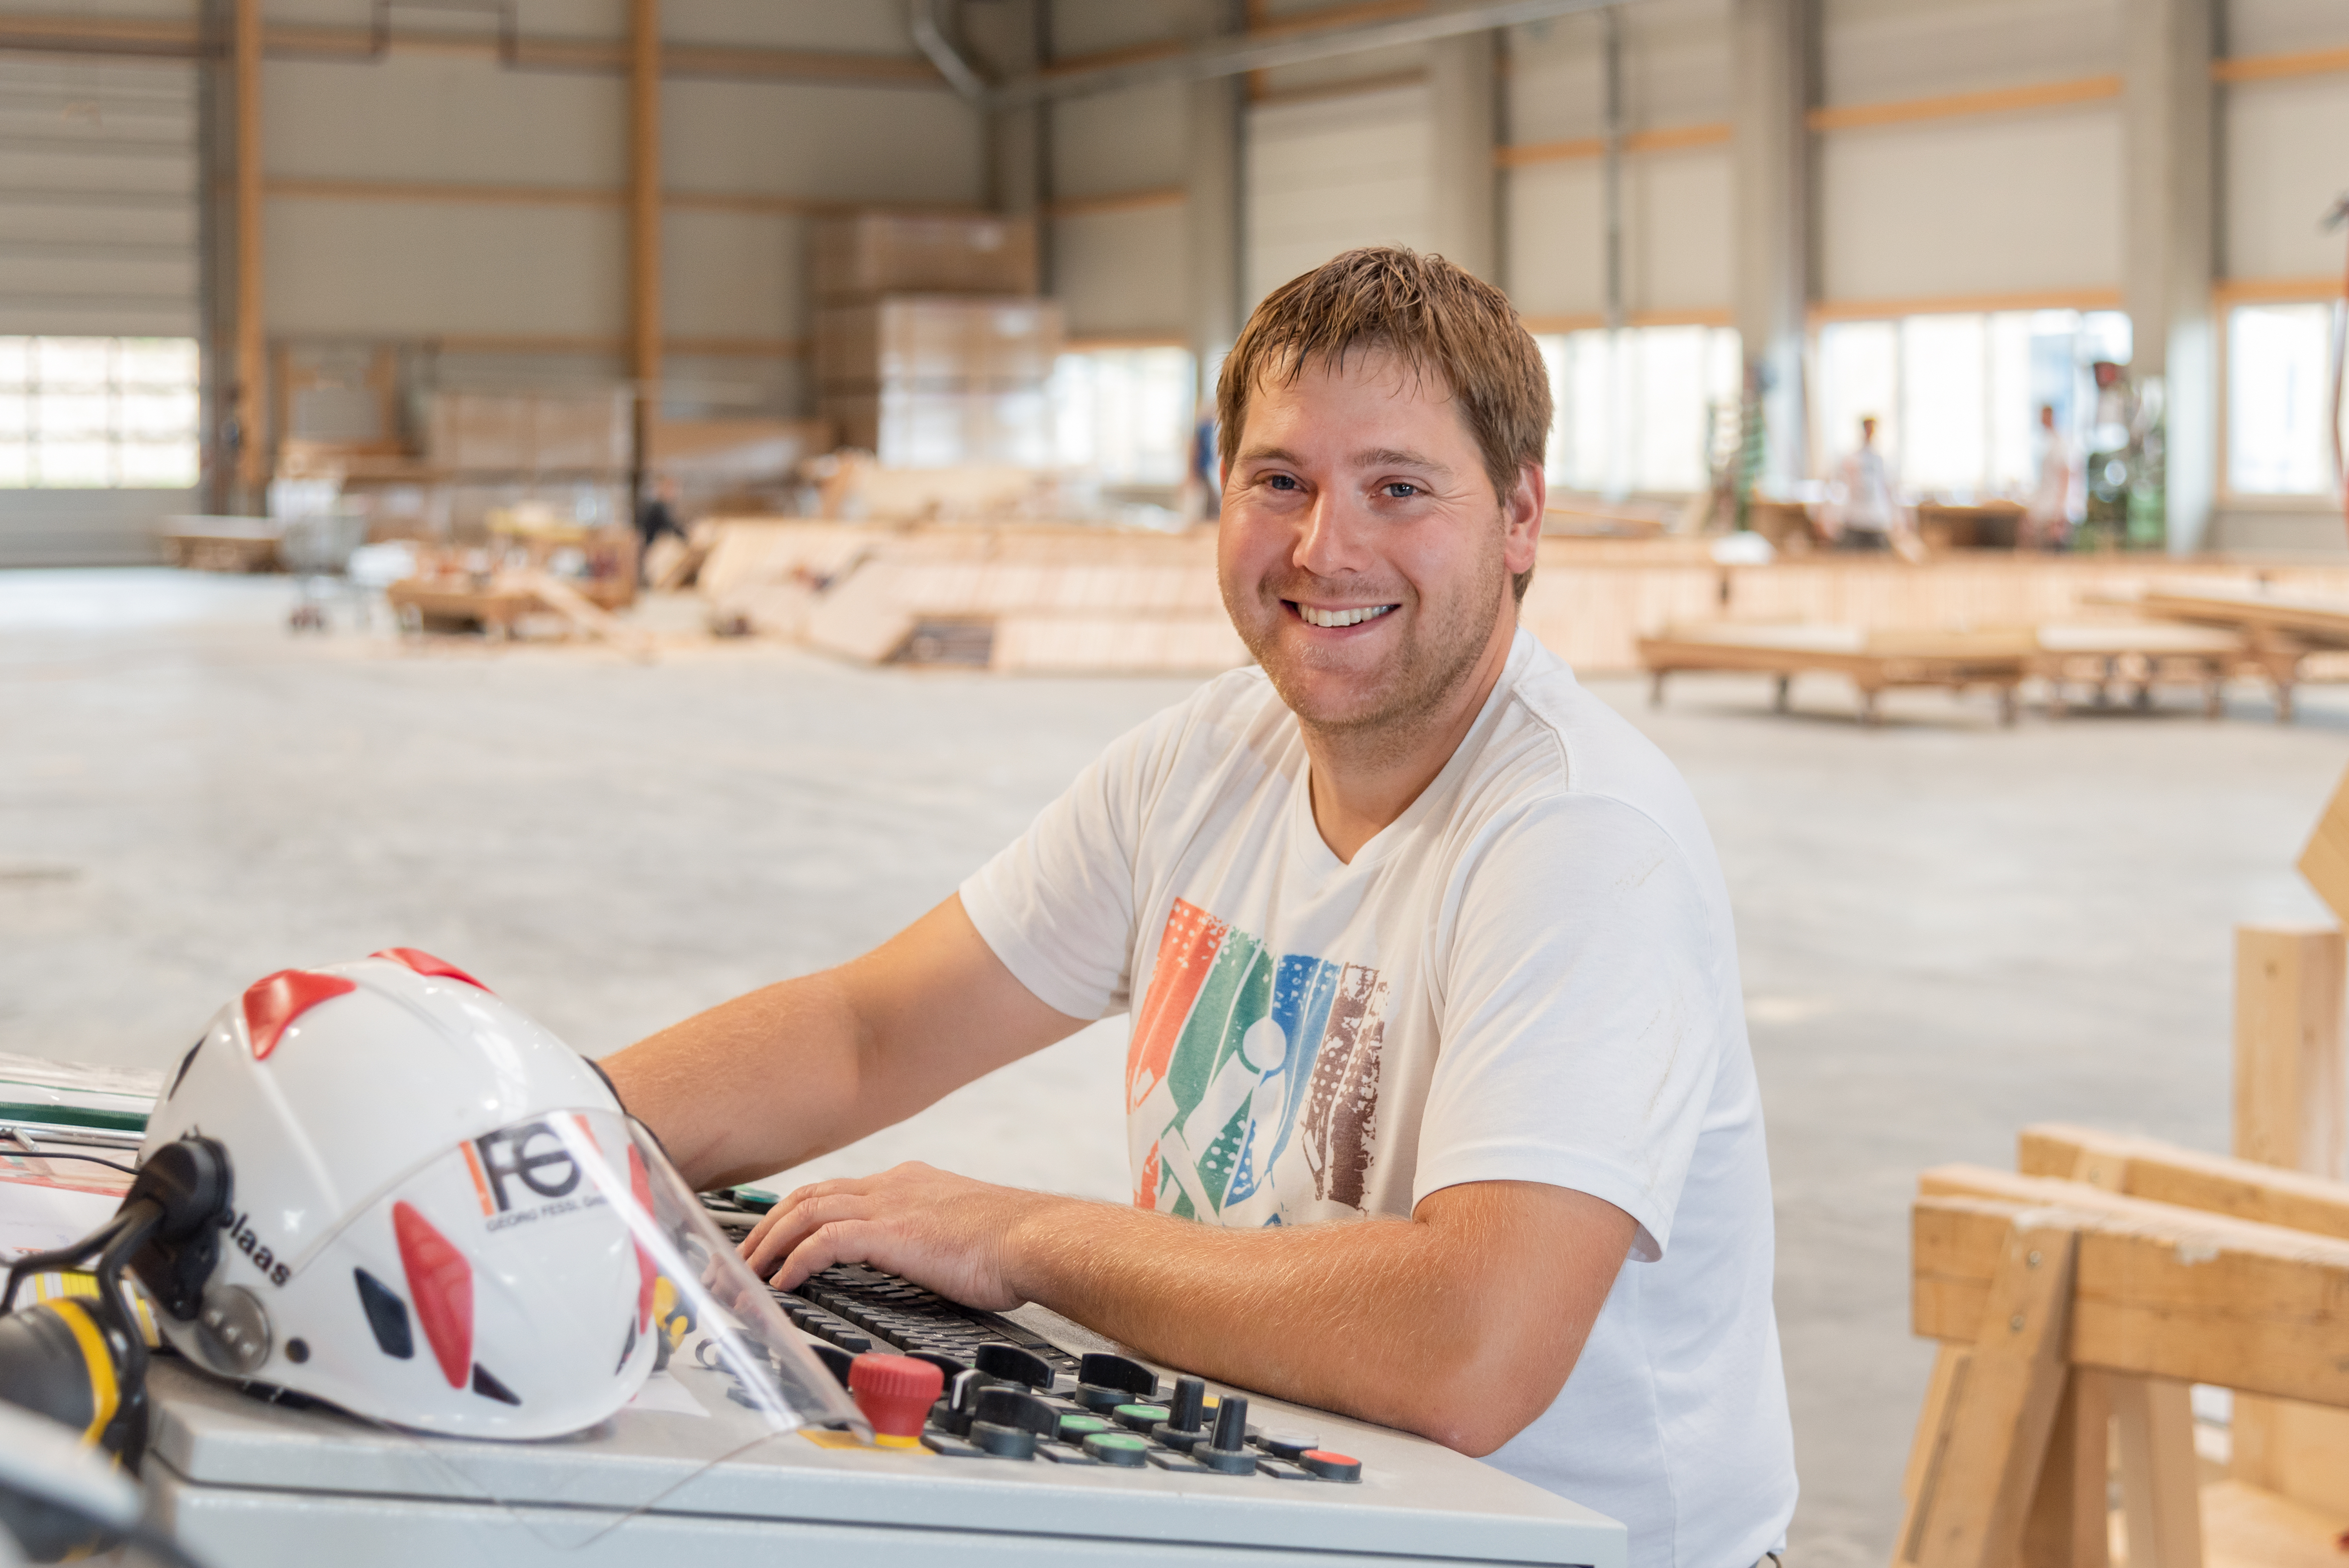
(98, 240)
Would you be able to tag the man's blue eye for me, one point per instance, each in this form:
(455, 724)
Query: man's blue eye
(1399, 491)
(1283, 481)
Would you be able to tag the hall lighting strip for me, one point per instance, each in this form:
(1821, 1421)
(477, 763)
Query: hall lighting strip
(1226, 58)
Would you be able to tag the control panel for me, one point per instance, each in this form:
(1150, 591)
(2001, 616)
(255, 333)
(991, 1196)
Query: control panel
(999, 1438)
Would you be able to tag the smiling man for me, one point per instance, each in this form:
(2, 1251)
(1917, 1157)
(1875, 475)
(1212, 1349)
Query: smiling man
(1439, 1100)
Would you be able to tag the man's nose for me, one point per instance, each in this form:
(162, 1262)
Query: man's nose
(1330, 544)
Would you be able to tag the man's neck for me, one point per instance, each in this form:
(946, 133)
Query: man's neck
(1361, 781)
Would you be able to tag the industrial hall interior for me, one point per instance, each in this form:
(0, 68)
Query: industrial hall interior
(1175, 782)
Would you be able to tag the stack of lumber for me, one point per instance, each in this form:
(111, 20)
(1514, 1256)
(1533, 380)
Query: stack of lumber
(1063, 600)
(931, 348)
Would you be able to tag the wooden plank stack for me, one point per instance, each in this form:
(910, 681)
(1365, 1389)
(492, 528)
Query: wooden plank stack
(931, 348)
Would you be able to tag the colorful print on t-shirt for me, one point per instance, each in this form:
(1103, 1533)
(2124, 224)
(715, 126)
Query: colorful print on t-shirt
(1237, 1053)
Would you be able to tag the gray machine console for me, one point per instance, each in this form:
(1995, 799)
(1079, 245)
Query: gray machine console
(685, 1474)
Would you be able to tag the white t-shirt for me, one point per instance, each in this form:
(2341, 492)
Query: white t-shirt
(1529, 975)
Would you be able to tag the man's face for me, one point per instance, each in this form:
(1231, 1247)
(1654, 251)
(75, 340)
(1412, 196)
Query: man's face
(1363, 555)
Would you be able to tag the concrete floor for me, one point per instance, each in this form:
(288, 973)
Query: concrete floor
(1949, 929)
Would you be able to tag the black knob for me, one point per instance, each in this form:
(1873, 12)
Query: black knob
(1004, 1442)
(1190, 1401)
(1009, 1408)
(1229, 1452)
(835, 1361)
(1100, 1370)
(946, 1364)
(1013, 1364)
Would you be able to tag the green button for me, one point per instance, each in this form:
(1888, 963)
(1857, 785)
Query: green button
(1118, 1449)
(1076, 1428)
(1140, 1417)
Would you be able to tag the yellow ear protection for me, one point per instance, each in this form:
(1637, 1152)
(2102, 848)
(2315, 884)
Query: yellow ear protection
(81, 1360)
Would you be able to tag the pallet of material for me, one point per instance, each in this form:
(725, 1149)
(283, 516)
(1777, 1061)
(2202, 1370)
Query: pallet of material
(221, 544)
(1874, 661)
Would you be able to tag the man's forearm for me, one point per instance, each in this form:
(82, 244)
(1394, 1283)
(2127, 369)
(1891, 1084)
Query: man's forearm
(752, 1086)
(800, 1068)
(1408, 1323)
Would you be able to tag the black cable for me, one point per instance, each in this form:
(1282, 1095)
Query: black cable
(63, 1257)
(50, 1154)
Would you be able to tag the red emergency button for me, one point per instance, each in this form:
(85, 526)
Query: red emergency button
(1330, 1466)
(895, 1393)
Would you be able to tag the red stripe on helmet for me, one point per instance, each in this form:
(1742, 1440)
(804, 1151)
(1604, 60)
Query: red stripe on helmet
(274, 1001)
(440, 1283)
(423, 963)
(640, 1184)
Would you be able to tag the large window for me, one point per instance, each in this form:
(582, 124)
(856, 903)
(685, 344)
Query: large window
(2279, 397)
(98, 413)
(1956, 397)
(1641, 409)
(1125, 414)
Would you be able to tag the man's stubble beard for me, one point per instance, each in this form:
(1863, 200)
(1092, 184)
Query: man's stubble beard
(1430, 669)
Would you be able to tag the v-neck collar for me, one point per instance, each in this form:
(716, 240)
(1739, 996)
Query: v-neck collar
(1313, 851)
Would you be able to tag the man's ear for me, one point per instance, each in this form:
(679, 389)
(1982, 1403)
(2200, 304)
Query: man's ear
(1522, 517)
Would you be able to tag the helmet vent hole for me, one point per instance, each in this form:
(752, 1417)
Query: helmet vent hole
(298, 1351)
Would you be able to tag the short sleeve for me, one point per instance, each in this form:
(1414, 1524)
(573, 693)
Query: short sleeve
(1587, 986)
(1057, 904)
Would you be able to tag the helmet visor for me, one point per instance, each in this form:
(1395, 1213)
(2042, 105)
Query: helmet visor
(611, 1338)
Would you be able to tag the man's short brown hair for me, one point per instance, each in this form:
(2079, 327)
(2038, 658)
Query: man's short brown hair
(1437, 319)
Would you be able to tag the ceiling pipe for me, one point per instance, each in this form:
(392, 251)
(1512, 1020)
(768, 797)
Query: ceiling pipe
(931, 37)
(1226, 56)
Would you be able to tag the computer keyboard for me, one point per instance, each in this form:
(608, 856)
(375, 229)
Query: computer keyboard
(1013, 1394)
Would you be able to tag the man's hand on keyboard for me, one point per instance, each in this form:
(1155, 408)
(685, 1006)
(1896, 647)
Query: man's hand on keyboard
(948, 1232)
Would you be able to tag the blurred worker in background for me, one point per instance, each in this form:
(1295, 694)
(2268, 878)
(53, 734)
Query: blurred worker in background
(2047, 516)
(1864, 510)
(1202, 497)
(655, 516)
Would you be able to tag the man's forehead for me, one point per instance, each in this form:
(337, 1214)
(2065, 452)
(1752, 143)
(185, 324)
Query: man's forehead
(1391, 412)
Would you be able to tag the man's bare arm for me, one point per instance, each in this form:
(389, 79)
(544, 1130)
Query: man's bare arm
(1460, 1323)
(803, 1066)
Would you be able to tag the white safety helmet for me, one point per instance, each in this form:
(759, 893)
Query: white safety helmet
(427, 1221)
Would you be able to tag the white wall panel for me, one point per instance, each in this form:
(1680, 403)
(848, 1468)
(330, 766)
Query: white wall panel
(2287, 150)
(441, 116)
(2280, 26)
(396, 268)
(1678, 231)
(559, 18)
(1555, 243)
(1556, 83)
(1329, 174)
(848, 25)
(1676, 70)
(1122, 273)
(733, 274)
(1087, 27)
(1128, 140)
(1992, 205)
(847, 144)
(1873, 50)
